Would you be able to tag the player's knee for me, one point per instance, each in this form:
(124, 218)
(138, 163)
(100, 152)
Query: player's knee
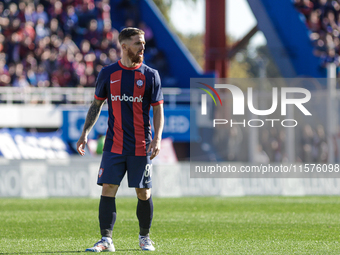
(143, 194)
(109, 190)
(143, 197)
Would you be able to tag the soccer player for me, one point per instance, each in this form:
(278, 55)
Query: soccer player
(130, 88)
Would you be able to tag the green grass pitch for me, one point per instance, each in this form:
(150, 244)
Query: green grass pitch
(194, 225)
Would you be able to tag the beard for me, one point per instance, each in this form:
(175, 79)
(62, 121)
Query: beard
(135, 58)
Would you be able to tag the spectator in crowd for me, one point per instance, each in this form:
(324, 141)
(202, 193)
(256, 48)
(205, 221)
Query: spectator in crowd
(323, 19)
(20, 81)
(43, 79)
(130, 10)
(313, 145)
(71, 22)
(148, 34)
(4, 72)
(92, 35)
(41, 14)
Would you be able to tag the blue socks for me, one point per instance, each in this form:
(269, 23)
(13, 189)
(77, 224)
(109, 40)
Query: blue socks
(107, 215)
(144, 215)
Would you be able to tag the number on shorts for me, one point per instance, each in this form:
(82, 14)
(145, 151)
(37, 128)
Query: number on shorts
(148, 170)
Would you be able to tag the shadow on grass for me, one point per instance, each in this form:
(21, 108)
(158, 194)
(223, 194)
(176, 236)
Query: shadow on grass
(61, 252)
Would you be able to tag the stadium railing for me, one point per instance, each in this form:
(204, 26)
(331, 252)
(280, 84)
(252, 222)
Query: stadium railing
(62, 95)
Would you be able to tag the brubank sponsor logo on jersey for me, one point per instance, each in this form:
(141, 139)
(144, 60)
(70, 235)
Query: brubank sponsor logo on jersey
(126, 98)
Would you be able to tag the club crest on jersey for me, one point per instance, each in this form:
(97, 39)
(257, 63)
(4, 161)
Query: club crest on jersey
(139, 83)
(101, 171)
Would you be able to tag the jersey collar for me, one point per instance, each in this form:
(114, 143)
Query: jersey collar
(129, 68)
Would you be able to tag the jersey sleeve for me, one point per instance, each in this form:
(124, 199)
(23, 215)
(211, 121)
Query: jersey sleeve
(101, 92)
(157, 94)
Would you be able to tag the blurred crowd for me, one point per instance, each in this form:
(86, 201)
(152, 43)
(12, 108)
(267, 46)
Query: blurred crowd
(310, 145)
(323, 19)
(55, 43)
(62, 43)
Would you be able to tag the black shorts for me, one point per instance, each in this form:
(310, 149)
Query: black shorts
(113, 167)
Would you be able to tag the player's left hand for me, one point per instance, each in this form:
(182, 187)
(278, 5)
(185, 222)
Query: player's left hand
(155, 147)
(81, 144)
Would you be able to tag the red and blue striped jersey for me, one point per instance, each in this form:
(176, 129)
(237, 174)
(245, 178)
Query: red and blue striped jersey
(129, 92)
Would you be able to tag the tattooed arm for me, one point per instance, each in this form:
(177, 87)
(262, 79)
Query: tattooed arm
(91, 118)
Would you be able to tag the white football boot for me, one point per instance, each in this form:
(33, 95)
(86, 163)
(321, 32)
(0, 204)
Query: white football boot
(103, 245)
(145, 243)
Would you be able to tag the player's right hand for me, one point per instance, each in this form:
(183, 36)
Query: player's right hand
(81, 144)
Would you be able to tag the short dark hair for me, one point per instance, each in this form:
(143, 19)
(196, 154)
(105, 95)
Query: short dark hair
(127, 32)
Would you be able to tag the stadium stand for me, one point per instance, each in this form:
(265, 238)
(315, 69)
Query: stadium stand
(63, 43)
(322, 17)
(287, 38)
